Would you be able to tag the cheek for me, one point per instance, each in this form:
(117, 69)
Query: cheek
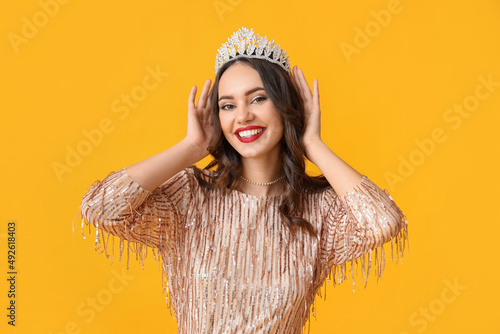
(225, 125)
(281, 133)
(279, 125)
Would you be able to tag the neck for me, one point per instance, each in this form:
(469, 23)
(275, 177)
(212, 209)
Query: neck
(261, 170)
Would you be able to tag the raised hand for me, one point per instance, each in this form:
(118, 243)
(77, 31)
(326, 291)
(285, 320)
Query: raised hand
(199, 127)
(312, 134)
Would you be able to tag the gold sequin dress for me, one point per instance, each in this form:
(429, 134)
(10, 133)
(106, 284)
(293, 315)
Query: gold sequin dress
(229, 263)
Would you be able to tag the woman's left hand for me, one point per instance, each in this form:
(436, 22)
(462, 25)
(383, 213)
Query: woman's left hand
(310, 100)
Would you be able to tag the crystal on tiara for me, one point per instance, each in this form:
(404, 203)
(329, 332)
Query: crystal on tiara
(245, 43)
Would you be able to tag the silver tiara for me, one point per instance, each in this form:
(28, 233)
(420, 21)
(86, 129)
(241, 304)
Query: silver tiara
(245, 43)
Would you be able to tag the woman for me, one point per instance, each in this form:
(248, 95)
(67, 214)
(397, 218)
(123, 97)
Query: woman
(247, 242)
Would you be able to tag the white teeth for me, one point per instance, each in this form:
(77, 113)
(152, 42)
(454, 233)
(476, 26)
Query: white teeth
(249, 133)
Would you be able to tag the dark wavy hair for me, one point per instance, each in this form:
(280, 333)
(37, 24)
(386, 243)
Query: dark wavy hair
(227, 161)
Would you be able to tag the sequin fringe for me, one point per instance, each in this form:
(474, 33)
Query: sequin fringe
(338, 273)
(140, 250)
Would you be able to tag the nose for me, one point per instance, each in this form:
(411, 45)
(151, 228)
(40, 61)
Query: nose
(244, 114)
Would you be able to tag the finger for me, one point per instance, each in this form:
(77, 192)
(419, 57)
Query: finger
(316, 92)
(294, 77)
(202, 100)
(297, 82)
(192, 95)
(304, 84)
(209, 102)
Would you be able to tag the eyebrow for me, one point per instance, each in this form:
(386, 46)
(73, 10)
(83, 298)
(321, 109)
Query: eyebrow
(246, 94)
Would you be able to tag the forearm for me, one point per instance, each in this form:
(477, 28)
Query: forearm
(372, 214)
(341, 176)
(153, 171)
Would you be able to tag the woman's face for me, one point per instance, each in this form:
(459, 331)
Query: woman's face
(249, 119)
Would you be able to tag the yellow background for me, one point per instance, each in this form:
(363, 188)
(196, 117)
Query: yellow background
(378, 103)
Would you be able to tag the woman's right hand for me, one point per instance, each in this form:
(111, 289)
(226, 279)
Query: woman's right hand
(150, 173)
(199, 125)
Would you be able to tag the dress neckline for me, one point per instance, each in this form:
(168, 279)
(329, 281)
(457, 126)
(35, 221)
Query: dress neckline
(269, 197)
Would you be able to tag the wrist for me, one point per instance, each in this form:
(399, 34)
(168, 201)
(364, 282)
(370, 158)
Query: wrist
(312, 146)
(194, 150)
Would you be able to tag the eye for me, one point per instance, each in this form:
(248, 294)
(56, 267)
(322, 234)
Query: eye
(259, 98)
(224, 107)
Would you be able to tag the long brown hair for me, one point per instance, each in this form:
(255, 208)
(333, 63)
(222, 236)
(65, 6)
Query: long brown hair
(227, 161)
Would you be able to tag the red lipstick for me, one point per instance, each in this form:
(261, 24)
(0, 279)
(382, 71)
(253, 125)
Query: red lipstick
(252, 138)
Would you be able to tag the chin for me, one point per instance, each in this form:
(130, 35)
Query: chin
(254, 150)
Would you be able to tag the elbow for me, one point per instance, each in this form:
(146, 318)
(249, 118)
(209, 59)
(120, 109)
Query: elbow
(392, 225)
(106, 201)
(98, 208)
(91, 211)
(104, 210)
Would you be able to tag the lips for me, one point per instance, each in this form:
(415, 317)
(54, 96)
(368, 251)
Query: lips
(250, 133)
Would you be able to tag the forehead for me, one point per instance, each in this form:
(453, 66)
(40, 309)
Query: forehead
(239, 78)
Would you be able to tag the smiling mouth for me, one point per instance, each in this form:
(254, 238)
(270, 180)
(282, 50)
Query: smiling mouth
(249, 133)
